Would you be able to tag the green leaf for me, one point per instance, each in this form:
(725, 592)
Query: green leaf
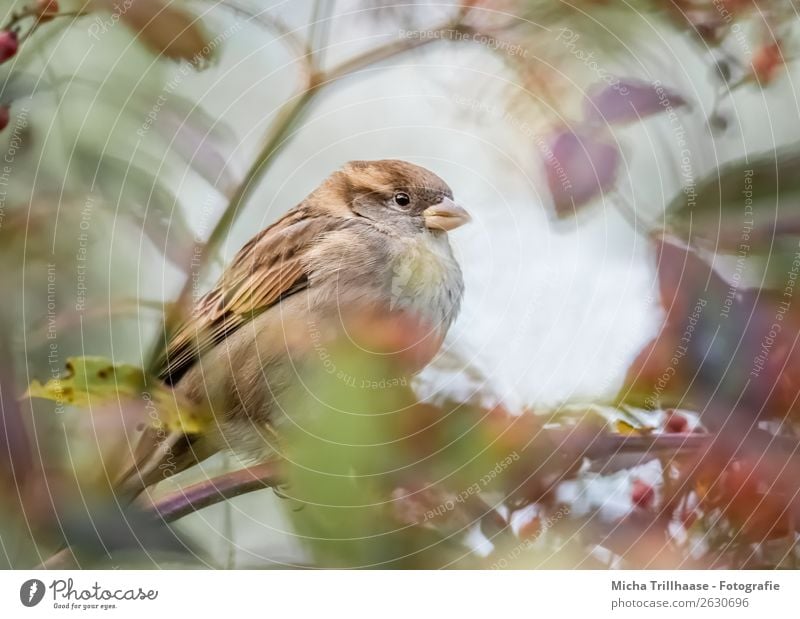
(94, 381)
(744, 205)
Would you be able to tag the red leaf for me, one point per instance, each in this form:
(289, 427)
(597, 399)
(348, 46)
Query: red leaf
(45, 10)
(579, 167)
(720, 344)
(629, 101)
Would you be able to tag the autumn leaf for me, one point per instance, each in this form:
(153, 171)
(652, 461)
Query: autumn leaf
(163, 28)
(725, 350)
(580, 166)
(93, 381)
(629, 101)
(626, 429)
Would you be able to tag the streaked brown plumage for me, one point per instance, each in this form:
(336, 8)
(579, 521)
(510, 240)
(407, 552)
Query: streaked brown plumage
(373, 235)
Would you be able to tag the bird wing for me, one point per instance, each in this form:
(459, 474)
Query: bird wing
(270, 267)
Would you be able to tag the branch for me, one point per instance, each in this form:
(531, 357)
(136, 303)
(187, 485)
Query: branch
(385, 52)
(612, 444)
(268, 475)
(319, 30)
(210, 492)
(188, 500)
(14, 20)
(285, 33)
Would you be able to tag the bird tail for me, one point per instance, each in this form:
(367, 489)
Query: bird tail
(157, 457)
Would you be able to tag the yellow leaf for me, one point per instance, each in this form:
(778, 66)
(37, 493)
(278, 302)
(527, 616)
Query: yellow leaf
(163, 28)
(626, 429)
(94, 381)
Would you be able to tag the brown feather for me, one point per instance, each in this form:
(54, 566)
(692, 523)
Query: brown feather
(268, 268)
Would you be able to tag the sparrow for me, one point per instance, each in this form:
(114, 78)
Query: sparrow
(373, 235)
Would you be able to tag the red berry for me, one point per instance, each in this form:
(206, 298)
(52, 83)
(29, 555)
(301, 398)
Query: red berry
(8, 44)
(5, 116)
(642, 494)
(676, 423)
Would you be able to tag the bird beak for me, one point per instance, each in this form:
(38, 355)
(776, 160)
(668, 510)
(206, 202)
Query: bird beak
(446, 215)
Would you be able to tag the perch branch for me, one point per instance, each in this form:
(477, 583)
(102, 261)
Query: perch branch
(204, 494)
(187, 500)
(268, 475)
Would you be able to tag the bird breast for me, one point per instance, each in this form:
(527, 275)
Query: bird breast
(410, 272)
(425, 278)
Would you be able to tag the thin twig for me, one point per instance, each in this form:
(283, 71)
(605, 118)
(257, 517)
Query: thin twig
(314, 22)
(15, 19)
(286, 34)
(374, 56)
(320, 29)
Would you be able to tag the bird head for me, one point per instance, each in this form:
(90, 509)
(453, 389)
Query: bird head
(398, 193)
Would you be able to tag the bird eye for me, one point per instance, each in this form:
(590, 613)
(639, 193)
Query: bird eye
(402, 199)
